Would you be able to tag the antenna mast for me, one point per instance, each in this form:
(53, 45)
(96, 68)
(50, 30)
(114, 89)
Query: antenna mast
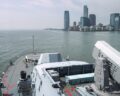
(33, 44)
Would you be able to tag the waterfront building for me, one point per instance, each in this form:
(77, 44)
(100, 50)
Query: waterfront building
(85, 21)
(92, 18)
(92, 28)
(74, 23)
(75, 27)
(109, 28)
(115, 20)
(66, 21)
(99, 27)
(85, 11)
(85, 29)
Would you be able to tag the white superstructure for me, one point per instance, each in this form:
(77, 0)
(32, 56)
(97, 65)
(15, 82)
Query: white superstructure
(107, 69)
(49, 57)
(104, 50)
(46, 77)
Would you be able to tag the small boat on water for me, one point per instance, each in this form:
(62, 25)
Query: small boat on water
(47, 74)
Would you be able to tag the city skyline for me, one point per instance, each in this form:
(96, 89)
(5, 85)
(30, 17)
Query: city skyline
(39, 14)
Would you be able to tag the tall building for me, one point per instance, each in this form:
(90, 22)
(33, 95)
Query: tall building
(85, 11)
(84, 22)
(66, 21)
(92, 18)
(115, 21)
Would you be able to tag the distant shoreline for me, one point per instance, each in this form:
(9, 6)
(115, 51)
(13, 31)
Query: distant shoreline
(55, 29)
(52, 29)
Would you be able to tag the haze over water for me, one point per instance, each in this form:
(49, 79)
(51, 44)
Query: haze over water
(77, 45)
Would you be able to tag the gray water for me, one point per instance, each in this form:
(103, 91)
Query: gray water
(78, 45)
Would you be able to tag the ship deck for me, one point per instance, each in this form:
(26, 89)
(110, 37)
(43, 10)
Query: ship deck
(12, 75)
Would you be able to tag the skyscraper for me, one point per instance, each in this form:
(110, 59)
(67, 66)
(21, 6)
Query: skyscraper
(115, 20)
(85, 21)
(66, 20)
(92, 19)
(85, 11)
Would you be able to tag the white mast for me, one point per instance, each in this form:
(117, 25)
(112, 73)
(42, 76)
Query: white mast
(33, 44)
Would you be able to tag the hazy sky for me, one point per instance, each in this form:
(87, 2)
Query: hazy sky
(38, 14)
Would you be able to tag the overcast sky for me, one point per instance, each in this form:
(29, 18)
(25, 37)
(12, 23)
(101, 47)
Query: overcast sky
(38, 14)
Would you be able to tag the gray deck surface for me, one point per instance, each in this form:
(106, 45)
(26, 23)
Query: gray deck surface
(12, 75)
